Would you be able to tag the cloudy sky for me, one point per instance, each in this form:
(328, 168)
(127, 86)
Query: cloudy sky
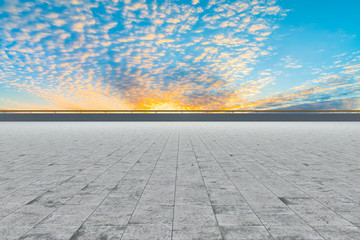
(179, 54)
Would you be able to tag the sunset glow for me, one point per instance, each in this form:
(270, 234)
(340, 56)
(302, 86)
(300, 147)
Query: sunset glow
(179, 54)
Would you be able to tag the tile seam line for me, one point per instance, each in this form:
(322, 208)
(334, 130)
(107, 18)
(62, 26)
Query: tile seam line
(157, 161)
(176, 173)
(294, 185)
(74, 234)
(85, 150)
(72, 176)
(207, 192)
(235, 186)
(336, 191)
(80, 189)
(271, 192)
(69, 156)
(79, 161)
(317, 161)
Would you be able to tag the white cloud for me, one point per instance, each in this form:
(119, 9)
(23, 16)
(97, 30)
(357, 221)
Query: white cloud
(64, 35)
(52, 15)
(41, 26)
(109, 26)
(194, 2)
(291, 63)
(76, 2)
(40, 36)
(169, 56)
(78, 27)
(173, 20)
(257, 27)
(59, 22)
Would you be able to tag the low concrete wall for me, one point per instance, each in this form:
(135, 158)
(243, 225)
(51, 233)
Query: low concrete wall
(181, 117)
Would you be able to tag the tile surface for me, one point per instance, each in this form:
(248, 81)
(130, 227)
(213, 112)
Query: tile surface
(172, 180)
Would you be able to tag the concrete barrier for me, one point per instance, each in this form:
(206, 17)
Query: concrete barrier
(180, 117)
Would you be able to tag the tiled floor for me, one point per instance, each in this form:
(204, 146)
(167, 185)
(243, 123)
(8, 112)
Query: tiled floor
(143, 180)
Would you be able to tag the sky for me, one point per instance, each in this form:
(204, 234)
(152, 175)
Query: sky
(179, 54)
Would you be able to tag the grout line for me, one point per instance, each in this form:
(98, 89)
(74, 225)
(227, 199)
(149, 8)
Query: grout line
(87, 184)
(58, 184)
(177, 166)
(146, 185)
(271, 192)
(117, 183)
(235, 186)
(294, 185)
(207, 192)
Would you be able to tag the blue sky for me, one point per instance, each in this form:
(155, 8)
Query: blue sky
(188, 54)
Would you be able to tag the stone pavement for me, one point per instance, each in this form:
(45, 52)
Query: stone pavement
(168, 180)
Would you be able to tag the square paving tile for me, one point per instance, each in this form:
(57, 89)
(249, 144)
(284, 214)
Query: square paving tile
(208, 180)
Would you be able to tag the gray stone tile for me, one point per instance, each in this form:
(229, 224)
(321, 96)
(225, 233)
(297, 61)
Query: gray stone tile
(103, 219)
(6, 210)
(209, 180)
(245, 232)
(69, 215)
(12, 232)
(50, 232)
(235, 215)
(245, 219)
(338, 232)
(86, 199)
(320, 215)
(100, 232)
(294, 233)
(111, 215)
(21, 219)
(149, 214)
(196, 232)
(194, 194)
(270, 219)
(147, 231)
(353, 217)
(158, 194)
(194, 215)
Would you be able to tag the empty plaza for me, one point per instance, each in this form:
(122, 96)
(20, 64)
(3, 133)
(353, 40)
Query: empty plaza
(180, 180)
